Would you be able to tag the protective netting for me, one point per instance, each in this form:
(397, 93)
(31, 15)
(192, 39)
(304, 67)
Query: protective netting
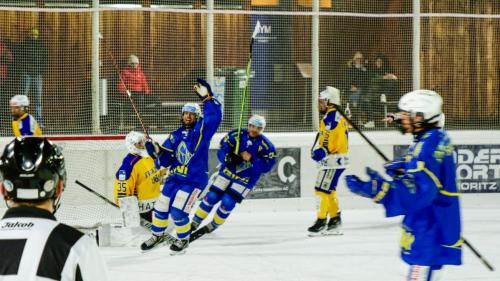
(93, 162)
(365, 50)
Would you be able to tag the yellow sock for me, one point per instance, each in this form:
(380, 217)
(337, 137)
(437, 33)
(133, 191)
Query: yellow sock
(323, 205)
(333, 208)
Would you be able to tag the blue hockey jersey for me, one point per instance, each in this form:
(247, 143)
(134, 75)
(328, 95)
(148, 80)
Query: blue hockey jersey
(186, 150)
(248, 172)
(427, 196)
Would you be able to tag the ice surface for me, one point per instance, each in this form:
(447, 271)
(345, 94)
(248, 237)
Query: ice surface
(274, 246)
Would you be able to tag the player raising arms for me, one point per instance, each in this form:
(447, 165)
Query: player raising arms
(186, 153)
(423, 189)
(331, 155)
(238, 174)
(138, 176)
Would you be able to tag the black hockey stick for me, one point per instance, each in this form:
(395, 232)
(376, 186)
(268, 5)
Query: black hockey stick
(381, 154)
(144, 223)
(315, 141)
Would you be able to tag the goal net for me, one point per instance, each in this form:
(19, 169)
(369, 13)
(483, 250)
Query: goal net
(92, 160)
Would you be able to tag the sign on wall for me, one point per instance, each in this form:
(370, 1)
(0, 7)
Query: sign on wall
(478, 167)
(283, 181)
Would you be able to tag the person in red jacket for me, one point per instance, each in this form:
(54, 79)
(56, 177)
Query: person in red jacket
(132, 79)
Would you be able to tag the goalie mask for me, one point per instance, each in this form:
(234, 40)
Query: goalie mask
(424, 108)
(32, 170)
(132, 139)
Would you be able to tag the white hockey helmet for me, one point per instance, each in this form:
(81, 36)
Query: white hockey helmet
(132, 139)
(192, 107)
(19, 101)
(331, 95)
(425, 103)
(258, 121)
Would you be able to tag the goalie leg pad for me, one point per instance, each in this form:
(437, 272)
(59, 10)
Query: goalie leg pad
(228, 203)
(327, 180)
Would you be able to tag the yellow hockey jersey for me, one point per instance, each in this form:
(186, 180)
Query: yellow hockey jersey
(333, 130)
(26, 125)
(137, 176)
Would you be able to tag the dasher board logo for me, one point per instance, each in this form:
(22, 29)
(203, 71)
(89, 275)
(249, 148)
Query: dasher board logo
(478, 167)
(283, 181)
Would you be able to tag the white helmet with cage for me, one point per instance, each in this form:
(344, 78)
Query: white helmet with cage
(331, 95)
(132, 139)
(192, 107)
(425, 103)
(19, 101)
(258, 121)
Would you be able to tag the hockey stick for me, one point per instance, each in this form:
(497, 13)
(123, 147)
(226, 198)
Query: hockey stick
(144, 223)
(245, 90)
(129, 95)
(381, 154)
(315, 141)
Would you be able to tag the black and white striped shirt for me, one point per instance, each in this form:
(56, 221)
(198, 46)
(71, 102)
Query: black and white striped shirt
(35, 247)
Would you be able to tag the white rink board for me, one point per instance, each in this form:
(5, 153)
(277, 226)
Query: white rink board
(95, 163)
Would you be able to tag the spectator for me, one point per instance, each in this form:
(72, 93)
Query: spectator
(357, 79)
(5, 61)
(33, 62)
(134, 80)
(383, 86)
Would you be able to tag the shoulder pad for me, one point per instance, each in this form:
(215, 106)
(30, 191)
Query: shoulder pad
(127, 166)
(268, 145)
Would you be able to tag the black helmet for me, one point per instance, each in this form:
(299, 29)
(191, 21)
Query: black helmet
(31, 169)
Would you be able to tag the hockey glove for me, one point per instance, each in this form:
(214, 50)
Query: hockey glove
(153, 148)
(319, 154)
(232, 159)
(396, 167)
(203, 89)
(375, 188)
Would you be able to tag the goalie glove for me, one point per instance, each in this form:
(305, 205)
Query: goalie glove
(153, 148)
(203, 89)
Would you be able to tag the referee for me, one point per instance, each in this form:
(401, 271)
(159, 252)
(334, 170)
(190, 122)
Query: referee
(33, 245)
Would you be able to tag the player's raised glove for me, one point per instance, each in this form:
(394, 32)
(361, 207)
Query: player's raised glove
(203, 89)
(232, 159)
(319, 154)
(153, 148)
(375, 188)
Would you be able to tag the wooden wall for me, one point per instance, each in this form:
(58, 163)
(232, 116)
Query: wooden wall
(460, 58)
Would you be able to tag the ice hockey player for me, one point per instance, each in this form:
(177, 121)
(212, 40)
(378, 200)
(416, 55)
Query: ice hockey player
(33, 245)
(138, 176)
(238, 174)
(186, 153)
(423, 189)
(331, 155)
(23, 123)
